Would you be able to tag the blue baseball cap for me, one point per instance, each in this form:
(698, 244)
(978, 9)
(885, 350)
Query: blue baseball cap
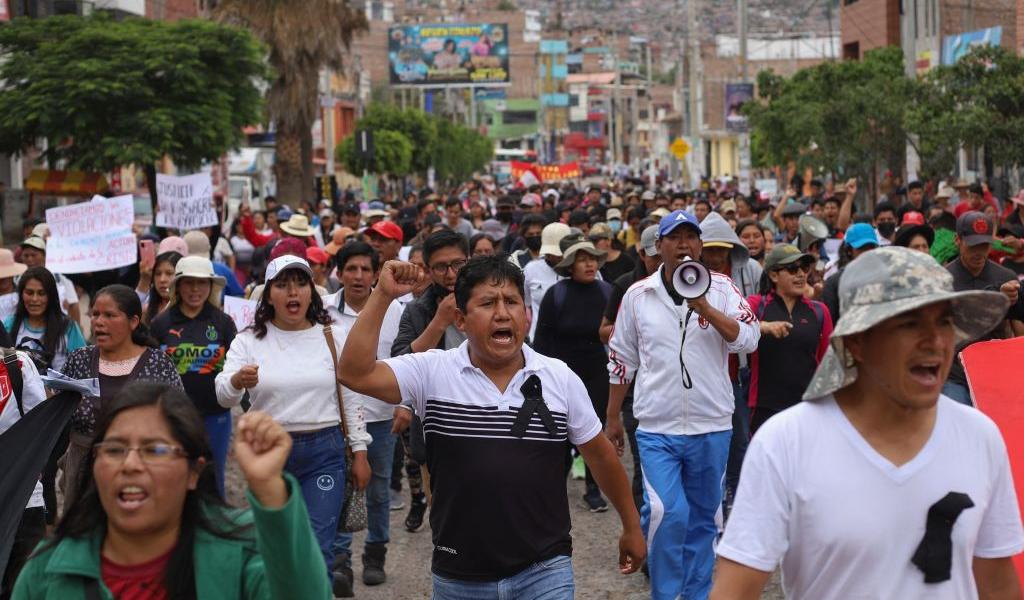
(860, 235)
(674, 219)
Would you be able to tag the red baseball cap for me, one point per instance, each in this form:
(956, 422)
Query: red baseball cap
(315, 254)
(912, 218)
(387, 229)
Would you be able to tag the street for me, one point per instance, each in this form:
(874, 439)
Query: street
(595, 554)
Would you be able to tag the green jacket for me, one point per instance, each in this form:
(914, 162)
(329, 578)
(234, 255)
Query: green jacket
(282, 560)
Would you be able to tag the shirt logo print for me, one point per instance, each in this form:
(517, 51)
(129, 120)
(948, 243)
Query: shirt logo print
(211, 333)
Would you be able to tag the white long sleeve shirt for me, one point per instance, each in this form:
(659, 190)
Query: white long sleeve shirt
(345, 316)
(296, 381)
(647, 343)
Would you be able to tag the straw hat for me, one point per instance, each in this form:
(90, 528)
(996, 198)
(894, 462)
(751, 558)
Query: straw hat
(9, 268)
(197, 267)
(298, 225)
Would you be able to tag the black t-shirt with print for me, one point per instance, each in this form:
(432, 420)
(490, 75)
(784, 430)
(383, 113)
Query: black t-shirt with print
(197, 347)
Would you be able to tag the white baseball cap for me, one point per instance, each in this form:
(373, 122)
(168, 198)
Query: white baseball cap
(283, 263)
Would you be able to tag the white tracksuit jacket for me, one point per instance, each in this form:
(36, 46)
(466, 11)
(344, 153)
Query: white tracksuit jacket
(645, 346)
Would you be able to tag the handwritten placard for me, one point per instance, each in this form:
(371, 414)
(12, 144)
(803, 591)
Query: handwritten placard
(185, 203)
(91, 236)
(241, 311)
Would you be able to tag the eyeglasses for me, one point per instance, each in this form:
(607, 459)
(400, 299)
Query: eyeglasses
(115, 453)
(796, 268)
(442, 268)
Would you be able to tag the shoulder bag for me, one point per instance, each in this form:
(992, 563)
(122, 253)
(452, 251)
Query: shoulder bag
(353, 512)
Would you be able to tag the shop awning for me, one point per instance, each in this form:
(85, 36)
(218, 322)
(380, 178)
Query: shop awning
(66, 183)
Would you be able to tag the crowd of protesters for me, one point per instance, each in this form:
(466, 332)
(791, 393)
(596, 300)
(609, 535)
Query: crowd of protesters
(480, 346)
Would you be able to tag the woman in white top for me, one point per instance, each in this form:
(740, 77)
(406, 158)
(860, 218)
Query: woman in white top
(284, 362)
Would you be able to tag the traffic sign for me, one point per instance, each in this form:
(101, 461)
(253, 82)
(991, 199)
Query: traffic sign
(679, 148)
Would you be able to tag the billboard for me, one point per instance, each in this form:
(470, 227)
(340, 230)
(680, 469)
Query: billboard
(736, 95)
(954, 47)
(448, 54)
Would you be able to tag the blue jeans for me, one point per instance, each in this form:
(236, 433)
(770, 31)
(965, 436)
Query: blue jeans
(547, 580)
(380, 454)
(958, 392)
(218, 429)
(318, 462)
(682, 496)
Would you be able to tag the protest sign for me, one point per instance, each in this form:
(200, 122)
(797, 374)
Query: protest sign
(91, 236)
(185, 203)
(241, 311)
(997, 395)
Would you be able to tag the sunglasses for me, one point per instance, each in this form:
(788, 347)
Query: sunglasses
(796, 268)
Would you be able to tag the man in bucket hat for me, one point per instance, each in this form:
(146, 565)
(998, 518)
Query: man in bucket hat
(877, 485)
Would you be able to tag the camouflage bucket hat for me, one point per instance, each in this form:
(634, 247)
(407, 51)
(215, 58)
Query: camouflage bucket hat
(888, 282)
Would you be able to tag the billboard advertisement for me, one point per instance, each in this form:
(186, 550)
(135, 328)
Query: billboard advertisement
(954, 47)
(448, 54)
(736, 95)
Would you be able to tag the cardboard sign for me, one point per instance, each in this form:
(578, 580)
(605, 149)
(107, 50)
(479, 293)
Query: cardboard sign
(91, 236)
(996, 393)
(241, 311)
(185, 203)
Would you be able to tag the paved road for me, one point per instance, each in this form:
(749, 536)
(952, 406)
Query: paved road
(595, 556)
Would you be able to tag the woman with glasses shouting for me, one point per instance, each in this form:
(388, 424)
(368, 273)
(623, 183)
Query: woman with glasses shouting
(149, 522)
(794, 334)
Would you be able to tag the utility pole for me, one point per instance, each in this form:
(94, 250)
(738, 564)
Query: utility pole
(696, 97)
(651, 173)
(616, 104)
(744, 137)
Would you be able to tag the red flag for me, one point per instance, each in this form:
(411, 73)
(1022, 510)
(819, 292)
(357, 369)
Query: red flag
(998, 395)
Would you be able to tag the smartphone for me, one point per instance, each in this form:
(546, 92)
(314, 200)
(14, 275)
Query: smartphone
(147, 253)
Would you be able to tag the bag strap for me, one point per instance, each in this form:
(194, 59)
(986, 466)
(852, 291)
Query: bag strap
(329, 336)
(17, 381)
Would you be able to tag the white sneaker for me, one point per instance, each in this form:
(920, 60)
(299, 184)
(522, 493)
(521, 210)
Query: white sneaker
(397, 503)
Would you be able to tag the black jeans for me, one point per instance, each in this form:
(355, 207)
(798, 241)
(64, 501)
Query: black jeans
(30, 531)
(740, 431)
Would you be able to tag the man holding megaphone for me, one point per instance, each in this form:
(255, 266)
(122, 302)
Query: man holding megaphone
(673, 335)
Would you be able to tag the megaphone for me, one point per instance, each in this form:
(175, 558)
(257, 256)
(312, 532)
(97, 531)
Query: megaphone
(691, 279)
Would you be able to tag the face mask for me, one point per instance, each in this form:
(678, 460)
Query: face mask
(504, 217)
(886, 229)
(615, 225)
(533, 243)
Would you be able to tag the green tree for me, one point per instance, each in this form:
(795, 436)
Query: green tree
(392, 154)
(417, 126)
(459, 151)
(106, 93)
(846, 118)
(304, 37)
(986, 106)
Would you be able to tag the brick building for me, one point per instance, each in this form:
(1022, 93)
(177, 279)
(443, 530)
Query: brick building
(868, 24)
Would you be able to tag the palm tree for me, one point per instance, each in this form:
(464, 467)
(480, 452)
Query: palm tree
(303, 37)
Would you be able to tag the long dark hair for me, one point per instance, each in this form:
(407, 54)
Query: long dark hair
(316, 314)
(128, 302)
(56, 322)
(86, 514)
(153, 300)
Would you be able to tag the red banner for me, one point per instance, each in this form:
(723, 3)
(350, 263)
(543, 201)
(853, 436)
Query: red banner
(552, 172)
(997, 394)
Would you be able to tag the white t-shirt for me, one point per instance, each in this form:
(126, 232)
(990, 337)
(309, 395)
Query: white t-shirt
(845, 522)
(538, 276)
(374, 410)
